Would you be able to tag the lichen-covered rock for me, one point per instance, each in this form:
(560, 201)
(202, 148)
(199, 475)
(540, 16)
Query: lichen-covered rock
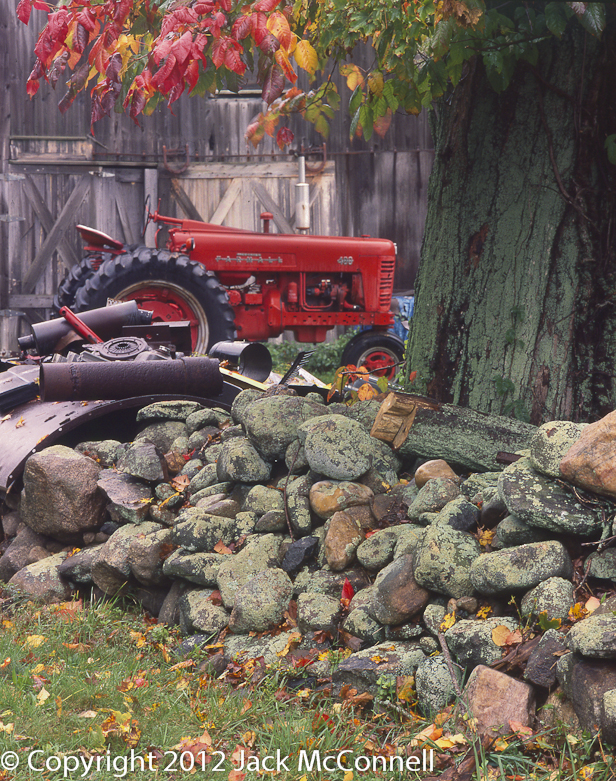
(197, 530)
(433, 684)
(554, 596)
(144, 461)
(360, 623)
(78, 567)
(298, 506)
(271, 423)
(602, 564)
(295, 458)
(409, 537)
(129, 499)
(201, 568)
(433, 497)
(163, 434)
(168, 410)
(324, 581)
(205, 417)
(272, 521)
(60, 496)
(336, 447)
(378, 550)
(104, 453)
(459, 513)
(262, 499)
(550, 444)
(261, 602)
(146, 554)
(591, 462)
(520, 568)
(433, 617)
(443, 558)
(241, 648)
(206, 477)
(396, 595)
(594, 636)
(471, 640)
(329, 496)
(361, 670)
(111, 568)
(239, 461)
(42, 580)
(341, 541)
(262, 552)
(541, 502)
(197, 611)
(511, 531)
(317, 612)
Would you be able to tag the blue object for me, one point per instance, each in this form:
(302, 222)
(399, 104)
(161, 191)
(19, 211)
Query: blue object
(406, 306)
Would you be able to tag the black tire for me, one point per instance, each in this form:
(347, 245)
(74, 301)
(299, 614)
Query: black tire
(188, 281)
(373, 349)
(76, 278)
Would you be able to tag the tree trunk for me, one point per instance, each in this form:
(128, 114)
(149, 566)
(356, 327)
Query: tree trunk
(516, 297)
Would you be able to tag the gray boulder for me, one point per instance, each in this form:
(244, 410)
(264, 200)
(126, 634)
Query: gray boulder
(145, 461)
(443, 558)
(541, 502)
(550, 443)
(433, 497)
(129, 499)
(198, 612)
(42, 580)
(60, 496)
(262, 552)
(555, 596)
(240, 462)
(396, 595)
(520, 568)
(271, 423)
(594, 636)
(163, 434)
(111, 569)
(261, 602)
(201, 568)
(470, 641)
(336, 447)
(433, 684)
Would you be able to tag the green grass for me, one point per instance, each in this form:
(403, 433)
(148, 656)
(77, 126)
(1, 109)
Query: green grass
(88, 681)
(323, 363)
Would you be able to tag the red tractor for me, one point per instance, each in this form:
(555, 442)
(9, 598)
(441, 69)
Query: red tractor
(231, 283)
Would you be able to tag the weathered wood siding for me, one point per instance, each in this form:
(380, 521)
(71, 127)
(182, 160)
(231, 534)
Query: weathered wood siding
(377, 188)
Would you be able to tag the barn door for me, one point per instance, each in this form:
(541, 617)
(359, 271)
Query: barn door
(237, 194)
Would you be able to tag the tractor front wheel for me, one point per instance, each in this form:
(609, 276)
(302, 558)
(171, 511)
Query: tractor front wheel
(171, 286)
(378, 351)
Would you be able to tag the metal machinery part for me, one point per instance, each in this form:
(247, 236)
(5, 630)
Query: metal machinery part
(252, 359)
(107, 322)
(90, 381)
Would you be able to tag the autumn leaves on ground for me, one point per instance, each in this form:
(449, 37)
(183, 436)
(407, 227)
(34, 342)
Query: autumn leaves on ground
(82, 684)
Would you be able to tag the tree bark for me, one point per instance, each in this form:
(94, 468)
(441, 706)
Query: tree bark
(516, 297)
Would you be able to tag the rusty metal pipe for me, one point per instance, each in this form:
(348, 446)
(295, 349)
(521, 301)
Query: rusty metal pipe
(124, 379)
(107, 322)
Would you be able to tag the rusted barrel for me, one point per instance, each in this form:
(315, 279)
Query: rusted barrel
(87, 381)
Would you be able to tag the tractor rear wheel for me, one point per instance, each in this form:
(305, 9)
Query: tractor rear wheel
(378, 351)
(171, 286)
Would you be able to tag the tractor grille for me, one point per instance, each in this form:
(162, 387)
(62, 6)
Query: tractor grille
(386, 281)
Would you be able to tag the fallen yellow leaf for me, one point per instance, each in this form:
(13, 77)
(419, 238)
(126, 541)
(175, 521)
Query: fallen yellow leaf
(448, 621)
(500, 634)
(42, 696)
(33, 641)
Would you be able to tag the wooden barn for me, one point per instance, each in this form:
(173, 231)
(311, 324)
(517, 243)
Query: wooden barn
(195, 162)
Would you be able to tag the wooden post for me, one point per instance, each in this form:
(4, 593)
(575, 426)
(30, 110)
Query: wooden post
(396, 415)
(150, 188)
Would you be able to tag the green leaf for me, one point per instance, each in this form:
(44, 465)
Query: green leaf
(555, 18)
(354, 123)
(366, 120)
(388, 94)
(382, 384)
(610, 145)
(593, 19)
(546, 623)
(357, 99)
